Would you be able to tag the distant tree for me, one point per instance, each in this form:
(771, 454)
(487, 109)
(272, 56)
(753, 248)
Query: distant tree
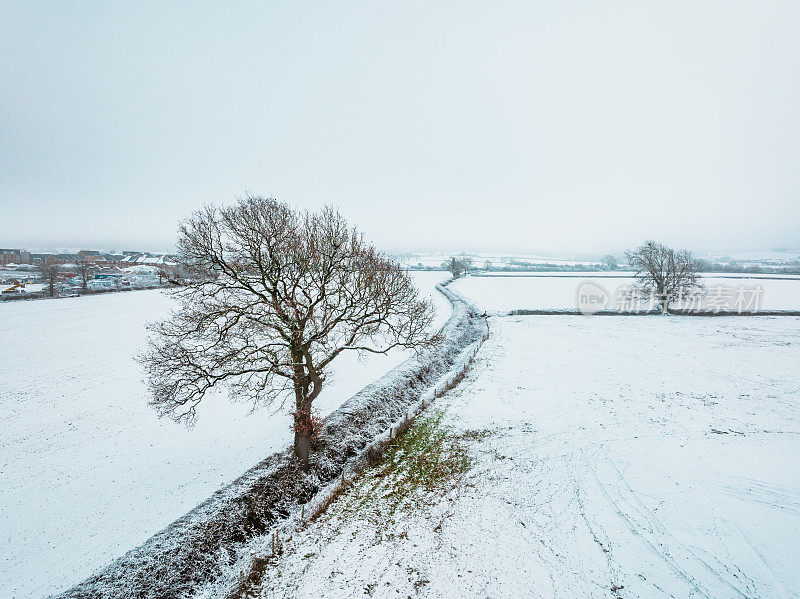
(666, 273)
(466, 262)
(270, 297)
(82, 268)
(705, 266)
(49, 272)
(458, 266)
(452, 265)
(609, 262)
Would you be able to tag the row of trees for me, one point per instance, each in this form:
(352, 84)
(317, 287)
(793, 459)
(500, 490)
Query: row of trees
(50, 273)
(459, 266)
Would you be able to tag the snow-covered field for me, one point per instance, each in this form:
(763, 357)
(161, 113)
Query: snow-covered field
(489, 259)
(504, 293)
(612, 457)
(87, 469)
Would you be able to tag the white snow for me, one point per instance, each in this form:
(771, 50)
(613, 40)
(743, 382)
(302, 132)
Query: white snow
(505, 293)
(142, 269)
(493, 259)
(87, 469)
(630, 457)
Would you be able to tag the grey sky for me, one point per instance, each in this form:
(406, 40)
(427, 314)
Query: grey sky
(528, 126)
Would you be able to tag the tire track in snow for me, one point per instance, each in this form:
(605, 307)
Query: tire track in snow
(779, 586)
(640, 520)
(645, 524)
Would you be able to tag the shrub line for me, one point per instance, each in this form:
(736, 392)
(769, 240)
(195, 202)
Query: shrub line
(217, 541)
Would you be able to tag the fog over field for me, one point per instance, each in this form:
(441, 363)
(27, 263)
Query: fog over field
(519, 127)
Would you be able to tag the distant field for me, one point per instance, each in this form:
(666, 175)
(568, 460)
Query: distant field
(504, 293)
(493, 260)
(87, 469)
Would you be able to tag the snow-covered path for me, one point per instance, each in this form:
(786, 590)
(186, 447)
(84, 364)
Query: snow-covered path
(630, 457)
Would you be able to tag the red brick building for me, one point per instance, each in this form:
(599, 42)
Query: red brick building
(14, 256)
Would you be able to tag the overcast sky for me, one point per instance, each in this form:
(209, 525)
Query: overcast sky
(529, 126)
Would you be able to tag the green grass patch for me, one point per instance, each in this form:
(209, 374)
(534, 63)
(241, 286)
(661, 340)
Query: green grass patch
(417, 468)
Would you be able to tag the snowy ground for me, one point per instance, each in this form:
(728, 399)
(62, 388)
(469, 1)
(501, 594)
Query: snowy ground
(492, 259)
(87, 469)
(504, 293)
(607, 457)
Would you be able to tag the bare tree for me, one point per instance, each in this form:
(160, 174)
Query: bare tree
(453, 266)
(458, 266)
(82, 268)
(466, 263)
(609, 262)
(163, 277)
(49, 272)
(666, 273)
(273, 297)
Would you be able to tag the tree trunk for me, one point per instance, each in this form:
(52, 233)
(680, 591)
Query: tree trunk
(307, 386)
(302, 410)
(662, 294)
(302, 424)
(302, 446)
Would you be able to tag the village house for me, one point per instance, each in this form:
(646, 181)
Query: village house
(14, 256)
(44, 258)
(90, 256)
